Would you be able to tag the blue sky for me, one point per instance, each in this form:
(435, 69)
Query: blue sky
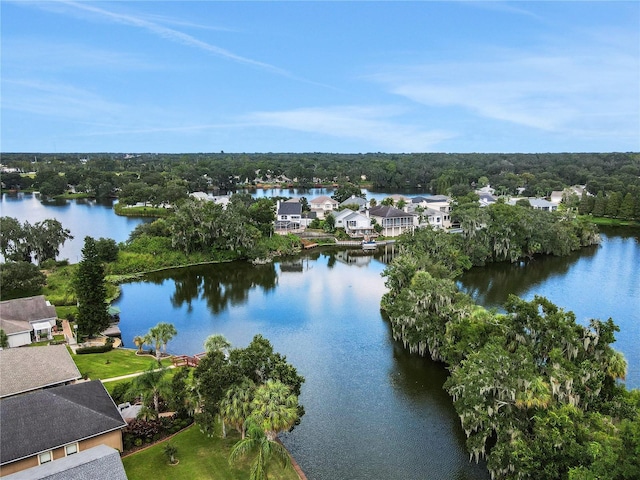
(345, 77)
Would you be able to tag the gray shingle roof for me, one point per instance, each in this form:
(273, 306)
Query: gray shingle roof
(97, 463)
(290, 208)
(30, 368)
(46, 419)
(11, 327)
(384, 211)
(27, 309)
(353, 200)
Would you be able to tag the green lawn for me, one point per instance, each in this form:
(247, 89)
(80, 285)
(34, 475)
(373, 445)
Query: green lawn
(117, 362)
(199, 456)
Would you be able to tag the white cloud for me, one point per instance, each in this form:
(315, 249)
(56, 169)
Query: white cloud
(573, 89)
(372, 124)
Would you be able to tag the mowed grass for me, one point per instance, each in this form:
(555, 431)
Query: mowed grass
(115, 363)
(200, 458)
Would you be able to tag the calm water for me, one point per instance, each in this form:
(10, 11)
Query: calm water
(597, 282)
(82, 217)
(373, 411)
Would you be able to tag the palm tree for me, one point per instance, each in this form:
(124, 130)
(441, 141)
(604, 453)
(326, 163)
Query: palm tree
(235, 407)
(139, 342)
(160, 336)
(152, 385)
(216, 343)
(264, 449)
(274, 408)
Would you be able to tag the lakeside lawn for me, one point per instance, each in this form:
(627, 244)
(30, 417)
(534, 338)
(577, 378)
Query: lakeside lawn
(115, 363)
(200, 458)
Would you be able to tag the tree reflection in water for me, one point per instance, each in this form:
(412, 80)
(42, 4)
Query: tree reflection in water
(220, 285)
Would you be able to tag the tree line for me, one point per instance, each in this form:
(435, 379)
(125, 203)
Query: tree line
(536, 393)
(166, 178)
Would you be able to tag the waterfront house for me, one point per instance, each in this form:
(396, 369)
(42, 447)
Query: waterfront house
(440, 203)
(323, 205)
(27, 319)
(48, 425)
(288, 216)
(432, 218)
(393, 221)
(23, 370)
(355, 224)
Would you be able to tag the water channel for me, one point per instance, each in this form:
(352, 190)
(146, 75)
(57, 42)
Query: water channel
(373, 411)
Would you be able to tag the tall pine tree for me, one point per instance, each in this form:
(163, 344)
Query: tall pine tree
(93, 315)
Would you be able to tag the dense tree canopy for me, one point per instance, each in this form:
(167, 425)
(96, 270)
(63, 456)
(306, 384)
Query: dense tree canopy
(536, 392)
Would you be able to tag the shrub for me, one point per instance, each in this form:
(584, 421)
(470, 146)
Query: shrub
(97, 349)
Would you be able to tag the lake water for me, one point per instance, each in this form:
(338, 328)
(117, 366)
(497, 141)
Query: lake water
(82, 217)
(596, 282)
(373, 411)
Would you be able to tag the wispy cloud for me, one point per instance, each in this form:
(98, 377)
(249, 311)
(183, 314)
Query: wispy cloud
(56, 100)
(574, 89)
(374, 125)
(42, 56)
(170, 34)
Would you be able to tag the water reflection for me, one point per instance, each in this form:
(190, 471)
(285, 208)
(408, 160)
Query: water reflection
(373, 410)
(218, 285)
(489, 285)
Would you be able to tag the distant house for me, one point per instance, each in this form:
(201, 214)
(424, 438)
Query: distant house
(440, 203)
(537, 204)
(433, 218)
(353, 200)
(397, 198)
(393, 221)
(323, 205)
(486, 199)
(26, 369)
(48, 425)
(288, 215)
(97, 463)
(205, 197)
(355, 224)
(27, 319)
(558, 196)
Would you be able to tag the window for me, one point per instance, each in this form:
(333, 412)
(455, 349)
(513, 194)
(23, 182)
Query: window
(71, 449)
(45, 457)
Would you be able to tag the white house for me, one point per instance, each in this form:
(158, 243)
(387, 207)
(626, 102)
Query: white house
(440, 203)
(288, 215)
(205, 197)
(434, 218)
(537, 203)
(355, 224)
(26, 319)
